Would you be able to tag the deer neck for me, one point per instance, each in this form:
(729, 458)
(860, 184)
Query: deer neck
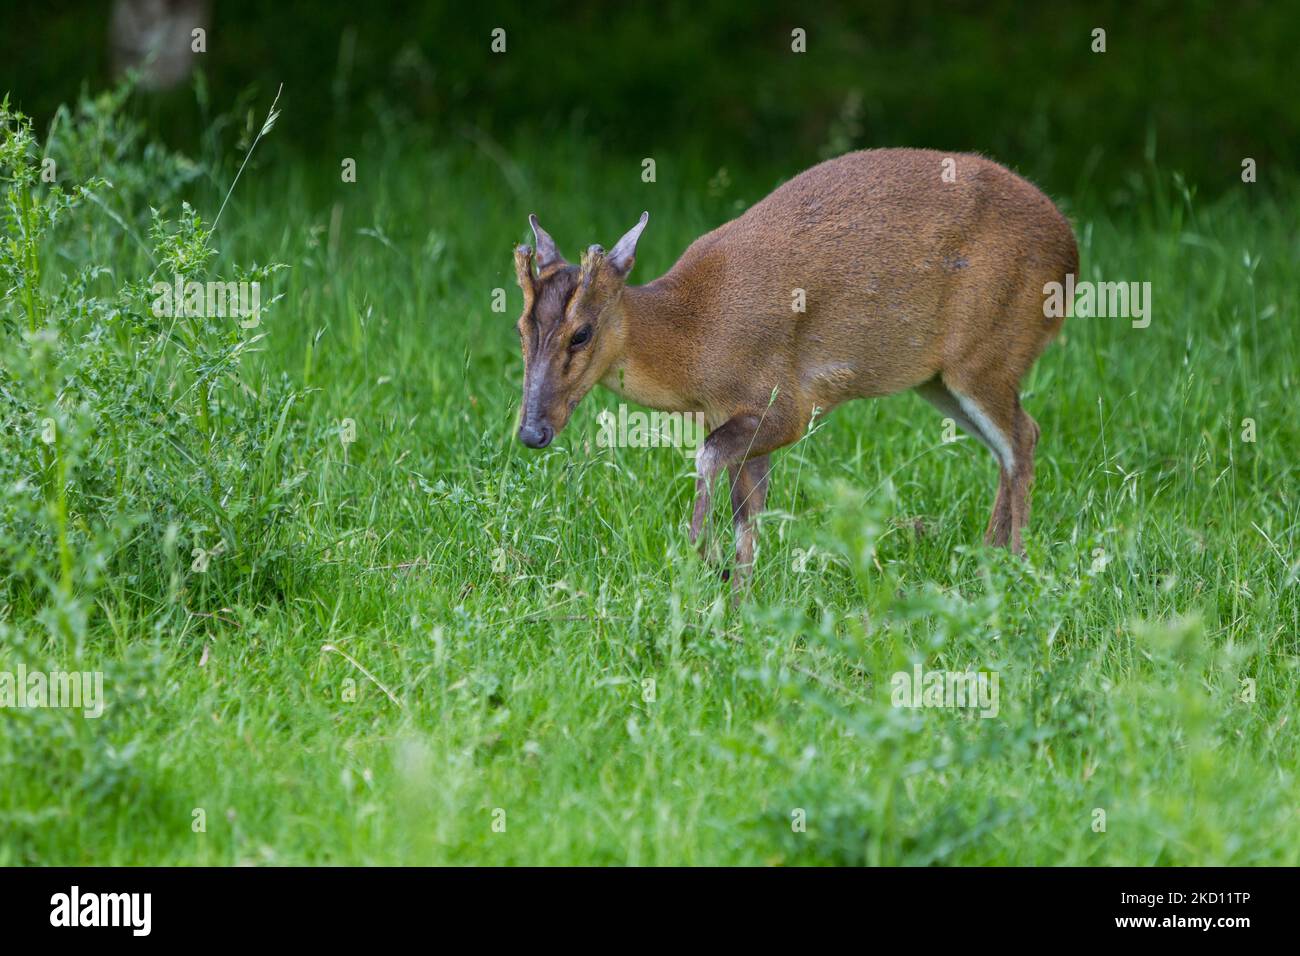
(657, 361)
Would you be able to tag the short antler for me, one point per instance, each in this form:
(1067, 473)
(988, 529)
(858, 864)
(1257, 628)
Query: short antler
(591, 261)
(524, 273)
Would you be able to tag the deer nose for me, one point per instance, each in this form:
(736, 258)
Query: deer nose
(536, 436)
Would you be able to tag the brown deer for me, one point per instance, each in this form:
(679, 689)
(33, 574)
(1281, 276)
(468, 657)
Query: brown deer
(872, 273)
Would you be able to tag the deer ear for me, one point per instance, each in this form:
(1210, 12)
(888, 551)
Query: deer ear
(623, 255)
(548, 254)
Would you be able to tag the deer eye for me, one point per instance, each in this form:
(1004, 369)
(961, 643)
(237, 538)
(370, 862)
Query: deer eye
(580, 337)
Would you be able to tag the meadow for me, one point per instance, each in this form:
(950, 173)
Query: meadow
(431, 645)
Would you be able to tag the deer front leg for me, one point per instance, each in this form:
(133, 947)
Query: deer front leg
(703, 482)
(700, 528)
(726, 444)
(748, 497)
(748, 436)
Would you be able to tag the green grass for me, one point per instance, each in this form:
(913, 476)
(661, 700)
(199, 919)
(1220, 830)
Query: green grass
(514, 603)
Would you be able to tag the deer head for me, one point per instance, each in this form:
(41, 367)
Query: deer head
(571, 329)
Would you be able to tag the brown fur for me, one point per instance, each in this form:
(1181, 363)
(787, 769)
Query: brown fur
(910, 282)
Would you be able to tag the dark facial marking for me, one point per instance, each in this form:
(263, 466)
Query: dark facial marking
(553, 298)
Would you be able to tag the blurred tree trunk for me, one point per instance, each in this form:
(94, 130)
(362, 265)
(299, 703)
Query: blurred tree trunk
(157, 38)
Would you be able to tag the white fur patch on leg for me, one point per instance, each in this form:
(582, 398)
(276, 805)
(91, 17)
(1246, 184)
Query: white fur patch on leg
(706, 464)
(993, 436)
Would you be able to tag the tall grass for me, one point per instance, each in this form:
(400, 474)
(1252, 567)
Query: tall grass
(434, 646)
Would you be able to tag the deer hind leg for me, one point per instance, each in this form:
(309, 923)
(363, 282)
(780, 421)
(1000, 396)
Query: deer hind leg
(1027, 432)
(942, 398)
(994, 416)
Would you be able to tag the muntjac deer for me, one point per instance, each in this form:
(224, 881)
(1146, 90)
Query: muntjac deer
(917, 270)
